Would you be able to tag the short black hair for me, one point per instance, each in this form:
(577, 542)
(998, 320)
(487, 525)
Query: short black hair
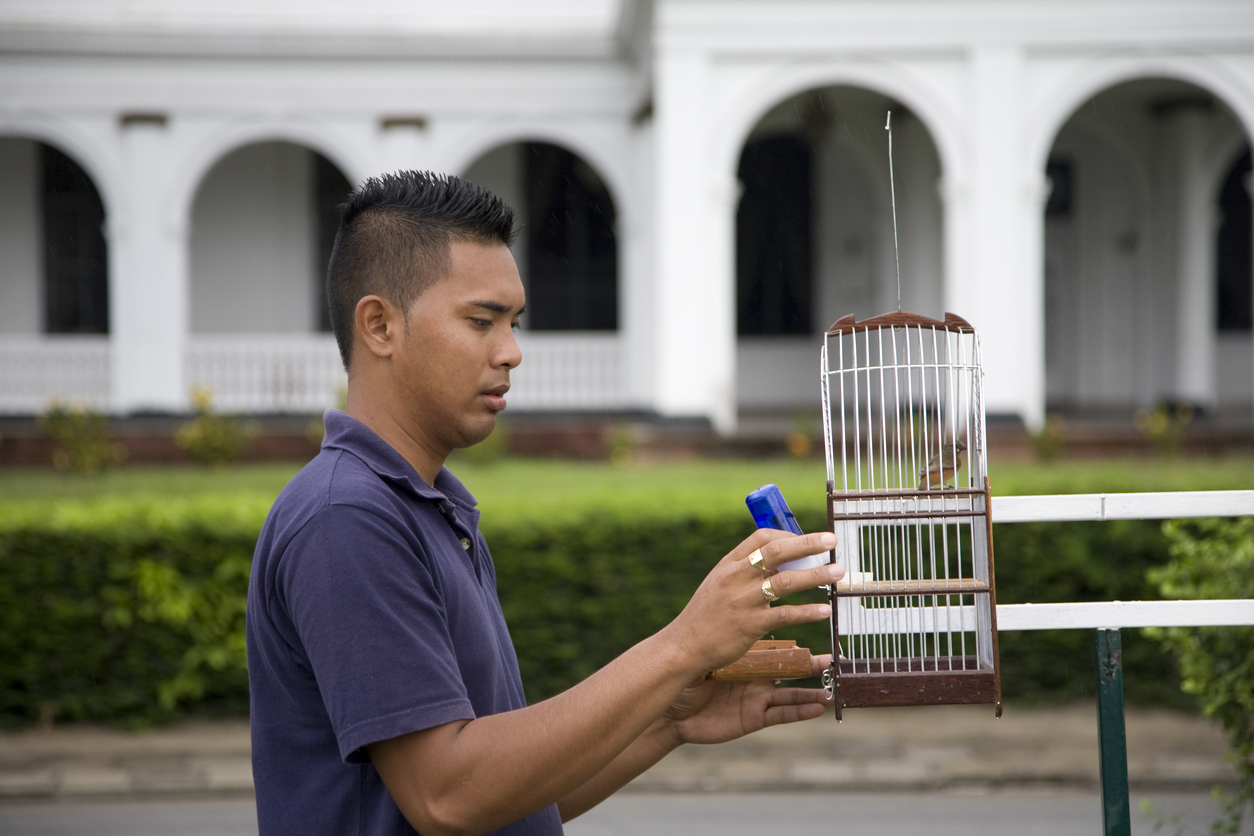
(394, 238)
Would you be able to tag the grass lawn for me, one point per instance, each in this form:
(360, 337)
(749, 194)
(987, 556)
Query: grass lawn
(554, 487)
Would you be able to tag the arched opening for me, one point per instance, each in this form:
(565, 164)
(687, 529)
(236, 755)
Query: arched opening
(1147, 254)
(567, 246)
(54, 268)
(814, 235)
(262, 226)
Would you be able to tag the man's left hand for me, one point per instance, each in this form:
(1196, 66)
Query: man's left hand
(715, 711)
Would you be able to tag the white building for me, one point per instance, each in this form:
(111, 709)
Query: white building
(704, 184)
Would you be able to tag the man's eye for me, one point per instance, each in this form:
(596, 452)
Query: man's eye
(485, 324)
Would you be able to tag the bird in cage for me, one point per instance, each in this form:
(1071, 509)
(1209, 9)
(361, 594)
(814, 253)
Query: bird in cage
(942, 467)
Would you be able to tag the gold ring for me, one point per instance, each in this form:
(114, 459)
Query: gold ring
(755, 559)
(768, 592)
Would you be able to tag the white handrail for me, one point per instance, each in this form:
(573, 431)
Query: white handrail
(1096, 615)
(1123, 506)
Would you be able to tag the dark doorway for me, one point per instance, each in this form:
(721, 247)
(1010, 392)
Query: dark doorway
(572, 251)
(773, 276)
(331, 189)
(1234, 257)
(76, 269)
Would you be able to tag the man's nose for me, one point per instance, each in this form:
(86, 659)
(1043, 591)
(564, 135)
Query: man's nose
(509, 355)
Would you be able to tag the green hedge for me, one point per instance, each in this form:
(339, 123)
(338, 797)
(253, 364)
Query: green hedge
(1215, 559)
(575, 596)
(124, 610)
(132, 610)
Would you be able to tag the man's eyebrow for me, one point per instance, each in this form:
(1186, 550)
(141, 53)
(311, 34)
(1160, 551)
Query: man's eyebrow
(497, 307)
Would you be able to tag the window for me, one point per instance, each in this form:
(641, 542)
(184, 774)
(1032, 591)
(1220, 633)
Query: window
(1234, 256)
(572, 251)
(331, 190)
(76, 278)
(773, 276)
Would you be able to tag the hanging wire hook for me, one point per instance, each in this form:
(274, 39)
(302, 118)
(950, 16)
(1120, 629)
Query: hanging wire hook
(892, 190)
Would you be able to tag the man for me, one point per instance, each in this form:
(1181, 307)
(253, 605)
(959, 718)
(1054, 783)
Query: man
(385, 690)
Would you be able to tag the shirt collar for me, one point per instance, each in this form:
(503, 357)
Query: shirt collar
(343, 432)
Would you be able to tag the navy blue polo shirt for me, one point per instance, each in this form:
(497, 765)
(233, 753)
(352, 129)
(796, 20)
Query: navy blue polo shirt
(372, 612)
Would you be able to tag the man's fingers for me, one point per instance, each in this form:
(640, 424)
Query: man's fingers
(778, 547)
(780, 714)
(784, 549)
(789, 616)
(785, 583)
(788, 705)
(820, 663)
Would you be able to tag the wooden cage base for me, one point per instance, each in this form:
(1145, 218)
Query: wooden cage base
(865, 690)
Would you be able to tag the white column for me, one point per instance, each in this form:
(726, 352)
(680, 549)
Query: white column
(148, 269)
(637, 328)
(21, 238)
(694, 234)
(1195, 265)
(998, 278)
(402, 145)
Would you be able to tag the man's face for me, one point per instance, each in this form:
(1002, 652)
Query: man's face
(458, 348)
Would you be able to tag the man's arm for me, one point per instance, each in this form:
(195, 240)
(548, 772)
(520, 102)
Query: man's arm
(708, 711)
(478, 775)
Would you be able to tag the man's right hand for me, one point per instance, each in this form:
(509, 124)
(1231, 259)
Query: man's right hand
(729, 611)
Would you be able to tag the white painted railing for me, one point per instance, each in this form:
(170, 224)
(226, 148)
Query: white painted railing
(576, 371)
(1088, 615)
(267, 373)
(257, 373)
(1170, 505)
(37, 369)
(1123, 506)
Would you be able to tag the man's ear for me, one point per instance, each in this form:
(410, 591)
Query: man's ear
(376, 324)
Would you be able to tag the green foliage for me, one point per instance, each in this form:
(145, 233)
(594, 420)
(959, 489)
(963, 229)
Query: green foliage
(1049, 440)
(123, 610)
(1079, 561)
(126, 604)
(1164, 426)
(82, 437)
(214, 440)
(1215, 559)
(489, 451)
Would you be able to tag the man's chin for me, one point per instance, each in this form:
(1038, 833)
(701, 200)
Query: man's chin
(479, 431)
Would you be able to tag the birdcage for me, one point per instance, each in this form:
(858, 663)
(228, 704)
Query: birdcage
(914, 620)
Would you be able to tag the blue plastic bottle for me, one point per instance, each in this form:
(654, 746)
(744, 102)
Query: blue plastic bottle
(769, 510)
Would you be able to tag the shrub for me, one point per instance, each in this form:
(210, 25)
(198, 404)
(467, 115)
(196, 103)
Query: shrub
(82, 437)
(489, 451)
(123, 610)
(132, 610)
(1164, 427)
(1048, 442)
(1215, 559)
(211, 439)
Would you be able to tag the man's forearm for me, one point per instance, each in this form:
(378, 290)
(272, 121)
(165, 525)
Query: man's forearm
(658, 741)
(503, 767)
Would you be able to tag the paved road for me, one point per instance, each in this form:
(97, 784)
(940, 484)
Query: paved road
(647, 814)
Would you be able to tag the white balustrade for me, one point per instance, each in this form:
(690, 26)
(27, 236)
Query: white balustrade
(257, 373)
(297, 373)
(37, 369)
(573, 370)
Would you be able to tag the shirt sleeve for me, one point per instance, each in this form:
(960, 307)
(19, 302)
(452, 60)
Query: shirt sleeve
(369, 615)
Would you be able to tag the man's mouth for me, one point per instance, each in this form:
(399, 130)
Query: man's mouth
(495, 397)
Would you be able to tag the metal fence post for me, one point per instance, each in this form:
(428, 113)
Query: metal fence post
(1111, 736)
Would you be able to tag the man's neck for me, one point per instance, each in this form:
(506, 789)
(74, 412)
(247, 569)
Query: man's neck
(403, 440)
